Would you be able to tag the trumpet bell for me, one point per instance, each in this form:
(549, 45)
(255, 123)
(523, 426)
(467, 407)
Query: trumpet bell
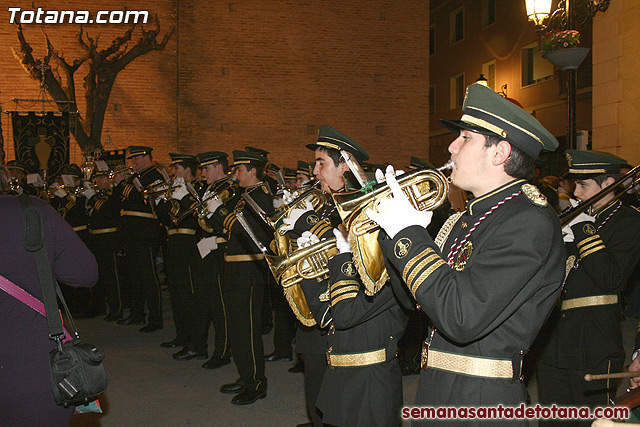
(426, 189)
(291, 269)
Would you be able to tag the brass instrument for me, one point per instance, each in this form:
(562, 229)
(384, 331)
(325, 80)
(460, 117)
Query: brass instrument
(426, 189)
(307, 263)
(226, 190)
(632, 179)
(15, 185)
(314, 195)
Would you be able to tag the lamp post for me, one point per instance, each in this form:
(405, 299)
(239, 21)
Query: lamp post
(569, 14)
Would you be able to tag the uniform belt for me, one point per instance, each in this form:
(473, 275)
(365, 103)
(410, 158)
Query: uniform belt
(589, 301)
(80, 228)
(238, 258)
(140, 214)
(104, 230)
(469, 365)
(356, 359)
(181, 231)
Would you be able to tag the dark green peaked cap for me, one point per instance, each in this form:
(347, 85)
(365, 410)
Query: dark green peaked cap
(486, 112)
(182, 158)
(587, 164)
(210, 157)
(331, 138)
(245, 157)
(138, 150)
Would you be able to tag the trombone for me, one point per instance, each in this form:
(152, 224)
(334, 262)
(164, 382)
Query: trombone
(632, 179)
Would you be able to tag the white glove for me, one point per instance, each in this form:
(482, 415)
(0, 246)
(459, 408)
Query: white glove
(287, 197)
(179, 192)
(290, 221)
(60, 192)
(397, 213)
(567, 232)
(307, 239)
(342, 241)
(277, 203)
(212, 205)
(380, 175)
(88, 191)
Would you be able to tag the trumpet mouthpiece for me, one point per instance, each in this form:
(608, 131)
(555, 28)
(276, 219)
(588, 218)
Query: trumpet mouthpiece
(447, 166)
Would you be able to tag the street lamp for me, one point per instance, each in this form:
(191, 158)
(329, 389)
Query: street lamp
(569, 14)
(537, 10)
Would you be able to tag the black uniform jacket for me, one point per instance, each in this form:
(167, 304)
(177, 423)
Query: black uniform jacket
(225, 222)
(104, 214)
(606, 255)
(493, 300)
(357, 395)
(140, 224)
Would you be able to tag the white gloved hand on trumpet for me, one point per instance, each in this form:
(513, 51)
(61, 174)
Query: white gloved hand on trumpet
(396, 213)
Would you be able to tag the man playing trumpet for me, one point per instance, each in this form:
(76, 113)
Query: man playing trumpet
(492, 275)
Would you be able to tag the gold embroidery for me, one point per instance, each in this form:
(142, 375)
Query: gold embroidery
(463, 256)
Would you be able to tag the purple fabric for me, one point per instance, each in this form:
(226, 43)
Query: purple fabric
(24, 335)
(28, 299)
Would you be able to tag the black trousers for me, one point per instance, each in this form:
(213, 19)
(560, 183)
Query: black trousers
(284, 326)
(567, 387)
(180, 266)
(210, 306)
(243, 290)
(145, 287)
(314, 367)
(104, 249)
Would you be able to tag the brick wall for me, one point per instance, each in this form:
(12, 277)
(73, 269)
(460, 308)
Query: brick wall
(265, 74)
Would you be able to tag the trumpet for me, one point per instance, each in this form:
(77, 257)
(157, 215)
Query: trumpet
(225, 191)
(313, 194)
(290, 269)
(624, 183)
(426, 189)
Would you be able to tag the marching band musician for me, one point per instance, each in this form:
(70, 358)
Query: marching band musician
(303, 174)
(604, 249)
(245, 276)
(181, 257)
(141, 234)
(104, 221)
(18, 172)
(496, 275)
(361, 383)
(209, 305)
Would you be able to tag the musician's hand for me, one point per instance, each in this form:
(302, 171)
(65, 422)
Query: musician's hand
(567, 233)
(342, 240)
(307, 239)
(179, 192)
(635, 367)
(396, 213)
(380, 175)
(212, 205)
(294, 215)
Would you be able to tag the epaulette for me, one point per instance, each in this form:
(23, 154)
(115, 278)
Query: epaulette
(534, 195)
(261, 185)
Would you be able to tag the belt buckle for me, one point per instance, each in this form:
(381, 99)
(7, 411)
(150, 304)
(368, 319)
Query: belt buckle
(424, 356)
(329, 350)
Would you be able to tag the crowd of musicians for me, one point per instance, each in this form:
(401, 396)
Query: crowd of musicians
(458, 295)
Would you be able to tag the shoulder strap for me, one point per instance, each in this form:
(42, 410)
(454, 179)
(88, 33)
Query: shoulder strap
(33, 237)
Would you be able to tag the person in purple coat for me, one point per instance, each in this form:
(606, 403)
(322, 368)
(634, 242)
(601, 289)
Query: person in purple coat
(26, 394)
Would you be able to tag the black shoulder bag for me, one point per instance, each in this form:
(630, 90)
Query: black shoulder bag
(77, 374)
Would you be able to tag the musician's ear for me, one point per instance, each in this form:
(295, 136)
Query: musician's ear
(501, 152)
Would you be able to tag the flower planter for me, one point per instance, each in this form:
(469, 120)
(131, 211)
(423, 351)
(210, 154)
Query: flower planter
(567, 59)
